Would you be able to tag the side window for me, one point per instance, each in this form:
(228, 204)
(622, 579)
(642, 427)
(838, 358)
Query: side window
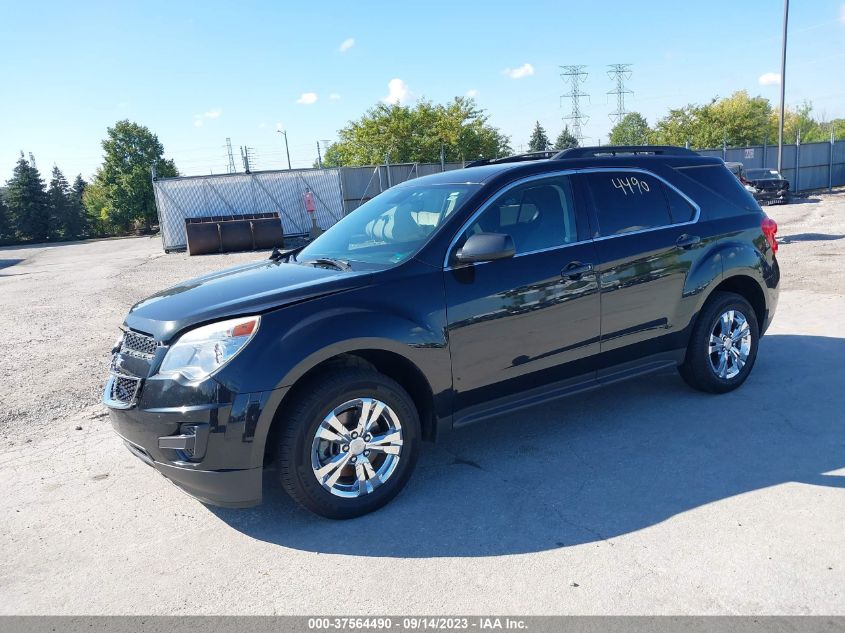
(627, 201)
(537, 215)
(679, 208)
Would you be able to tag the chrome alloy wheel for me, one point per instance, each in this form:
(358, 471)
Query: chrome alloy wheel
(356, 447)
(730, 344)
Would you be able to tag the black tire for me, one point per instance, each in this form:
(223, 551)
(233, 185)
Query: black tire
(698, 370)
(303, 418)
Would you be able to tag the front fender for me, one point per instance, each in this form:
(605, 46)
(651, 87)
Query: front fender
(404, 315)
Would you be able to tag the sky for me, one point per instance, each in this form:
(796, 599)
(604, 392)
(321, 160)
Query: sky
(197, 73)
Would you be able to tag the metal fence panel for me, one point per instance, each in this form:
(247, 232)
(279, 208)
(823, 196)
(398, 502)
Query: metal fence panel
(241, 194)
(362, 183)
(808, 166)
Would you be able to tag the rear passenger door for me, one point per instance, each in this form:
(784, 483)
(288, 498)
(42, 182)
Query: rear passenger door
(645, 236)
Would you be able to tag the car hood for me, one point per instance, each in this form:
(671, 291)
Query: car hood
(248, 289)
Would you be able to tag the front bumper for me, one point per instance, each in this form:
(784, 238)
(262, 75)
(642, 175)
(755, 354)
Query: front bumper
(206, 440)
(770, 197)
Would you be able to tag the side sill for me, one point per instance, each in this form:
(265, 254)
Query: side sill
(579, 384)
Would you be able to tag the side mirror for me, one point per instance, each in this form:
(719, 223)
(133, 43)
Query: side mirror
(486, 247)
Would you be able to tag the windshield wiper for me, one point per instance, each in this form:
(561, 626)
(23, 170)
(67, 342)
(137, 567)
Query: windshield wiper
(285, 255)
(328, 261)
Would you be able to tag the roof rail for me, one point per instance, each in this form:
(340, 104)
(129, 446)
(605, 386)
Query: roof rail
(613, 150)
(515, 158)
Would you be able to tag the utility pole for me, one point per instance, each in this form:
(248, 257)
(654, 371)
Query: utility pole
(575, 76)
(319, 156)
(287, 150)
(231, 155)
(245, 157)
(619, 73)
(782, 85)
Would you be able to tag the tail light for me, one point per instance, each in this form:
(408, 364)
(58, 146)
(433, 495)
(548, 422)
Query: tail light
(770, 228)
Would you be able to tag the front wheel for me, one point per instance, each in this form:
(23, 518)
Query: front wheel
(723, 345)
(350, 443)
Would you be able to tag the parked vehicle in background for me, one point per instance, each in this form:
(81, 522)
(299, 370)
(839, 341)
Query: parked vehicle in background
(447, 300)
(768, 186)
(738, 170)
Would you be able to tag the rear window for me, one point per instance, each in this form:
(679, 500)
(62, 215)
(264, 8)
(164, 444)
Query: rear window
(722, 182)
(627, 201)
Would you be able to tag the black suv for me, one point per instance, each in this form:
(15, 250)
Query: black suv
(445, 300)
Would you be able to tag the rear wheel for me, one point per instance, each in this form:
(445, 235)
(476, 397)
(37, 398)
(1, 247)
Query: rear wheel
(723, 345)
(350, 443)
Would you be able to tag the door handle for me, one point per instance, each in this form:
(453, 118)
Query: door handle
(687, 241)
(575, 270)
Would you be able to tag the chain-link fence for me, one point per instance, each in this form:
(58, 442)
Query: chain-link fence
(232, 195)
(336, 193)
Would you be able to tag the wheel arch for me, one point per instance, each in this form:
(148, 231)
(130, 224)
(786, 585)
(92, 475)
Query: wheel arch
(389, 362)
(749, 289)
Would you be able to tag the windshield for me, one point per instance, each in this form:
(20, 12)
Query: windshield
(760, 174)
(391, 227)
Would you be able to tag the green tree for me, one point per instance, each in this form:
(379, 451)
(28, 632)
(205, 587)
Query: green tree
(633, 129)
(124, 178)
(6, 233)
(405, 134)
(735, 120)
(27, 202)
(77, 225)
(96, 201)
(58, 199)
(539, 141)
(565, 140)
(678, 127)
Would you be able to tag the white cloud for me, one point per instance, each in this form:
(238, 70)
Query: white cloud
(526, 70)
(346, 44)
(307, 98)
(334, 96)
(769, 79)
(200, 119)
(472, 93)
(398, 92)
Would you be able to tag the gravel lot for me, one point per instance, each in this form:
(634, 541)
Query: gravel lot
(647, 498)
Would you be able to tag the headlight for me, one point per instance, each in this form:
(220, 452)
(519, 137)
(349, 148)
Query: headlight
(200, 352)
(751, 188)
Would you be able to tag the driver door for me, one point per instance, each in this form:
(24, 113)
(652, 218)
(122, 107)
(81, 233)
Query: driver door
(530, 321)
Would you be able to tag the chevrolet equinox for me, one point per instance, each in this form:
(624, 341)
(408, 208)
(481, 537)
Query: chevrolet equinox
(446, 300)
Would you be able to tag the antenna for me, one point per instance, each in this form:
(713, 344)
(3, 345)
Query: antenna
(575, 76)
(619, 73)
(232, 169)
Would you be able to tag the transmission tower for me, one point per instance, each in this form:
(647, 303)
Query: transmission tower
(575, 76)
(232, 169)
(619, 73)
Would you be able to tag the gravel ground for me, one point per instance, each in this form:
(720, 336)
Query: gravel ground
(645, 498)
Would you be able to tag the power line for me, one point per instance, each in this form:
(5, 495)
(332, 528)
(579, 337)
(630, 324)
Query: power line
(619, 73)
(575, 76)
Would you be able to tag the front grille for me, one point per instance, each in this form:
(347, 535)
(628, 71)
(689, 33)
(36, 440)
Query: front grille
(137, 344)
(124, 388)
